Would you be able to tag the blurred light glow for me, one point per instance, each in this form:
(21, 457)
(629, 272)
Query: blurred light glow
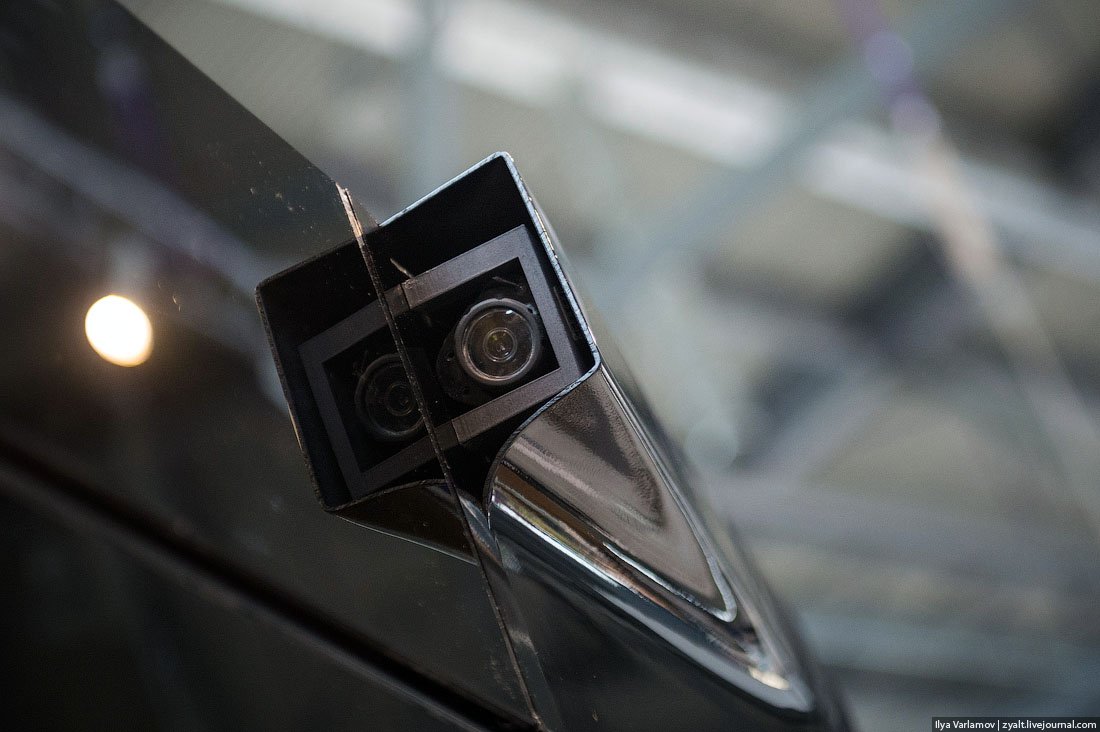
(119, 330)
(386, 27)
(718, 114)
(531, 54)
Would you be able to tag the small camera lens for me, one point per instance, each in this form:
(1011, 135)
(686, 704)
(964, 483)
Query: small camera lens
(384, 400)
(498, 341)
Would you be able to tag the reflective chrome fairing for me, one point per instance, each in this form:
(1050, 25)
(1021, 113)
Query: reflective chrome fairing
(589, 452)
(582, 491)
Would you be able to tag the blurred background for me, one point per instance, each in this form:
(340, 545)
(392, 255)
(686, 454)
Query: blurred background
(851, 247)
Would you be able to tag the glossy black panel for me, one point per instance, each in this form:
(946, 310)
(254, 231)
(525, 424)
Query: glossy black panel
(123, 169)
(94, 640)
(98, 74)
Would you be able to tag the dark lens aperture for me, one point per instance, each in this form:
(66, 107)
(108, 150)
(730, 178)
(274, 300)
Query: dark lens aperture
(384, 400)
(498, 341)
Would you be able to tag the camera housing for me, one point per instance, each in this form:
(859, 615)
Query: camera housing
(473, 331)
(538, 460)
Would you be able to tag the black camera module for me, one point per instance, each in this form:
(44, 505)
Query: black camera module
(463, 338)
(384, 400)
(498, 341)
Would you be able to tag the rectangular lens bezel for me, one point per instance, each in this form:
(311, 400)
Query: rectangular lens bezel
(419, 291)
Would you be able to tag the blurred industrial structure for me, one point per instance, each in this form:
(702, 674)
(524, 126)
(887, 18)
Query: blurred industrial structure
(852, 249)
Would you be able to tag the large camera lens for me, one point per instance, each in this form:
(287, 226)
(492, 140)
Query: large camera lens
(384, 400)
(498, 341)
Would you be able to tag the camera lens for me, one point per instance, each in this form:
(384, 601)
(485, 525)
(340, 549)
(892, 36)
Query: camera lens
(498, 341)
(384, 400)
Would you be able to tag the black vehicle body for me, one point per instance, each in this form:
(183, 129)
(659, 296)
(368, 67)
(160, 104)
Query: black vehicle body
(523, 556)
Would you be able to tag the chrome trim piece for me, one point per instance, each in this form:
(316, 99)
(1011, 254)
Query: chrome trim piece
(581, 489)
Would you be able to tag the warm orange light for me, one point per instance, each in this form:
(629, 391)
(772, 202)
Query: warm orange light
(119, 330)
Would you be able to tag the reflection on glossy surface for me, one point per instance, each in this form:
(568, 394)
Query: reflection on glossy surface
(99, 640)
(596, 461)
(119, 331)
(425, 512)
(581, 495)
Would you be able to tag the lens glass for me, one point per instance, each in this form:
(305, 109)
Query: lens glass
(499, 344)
(385, 402)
